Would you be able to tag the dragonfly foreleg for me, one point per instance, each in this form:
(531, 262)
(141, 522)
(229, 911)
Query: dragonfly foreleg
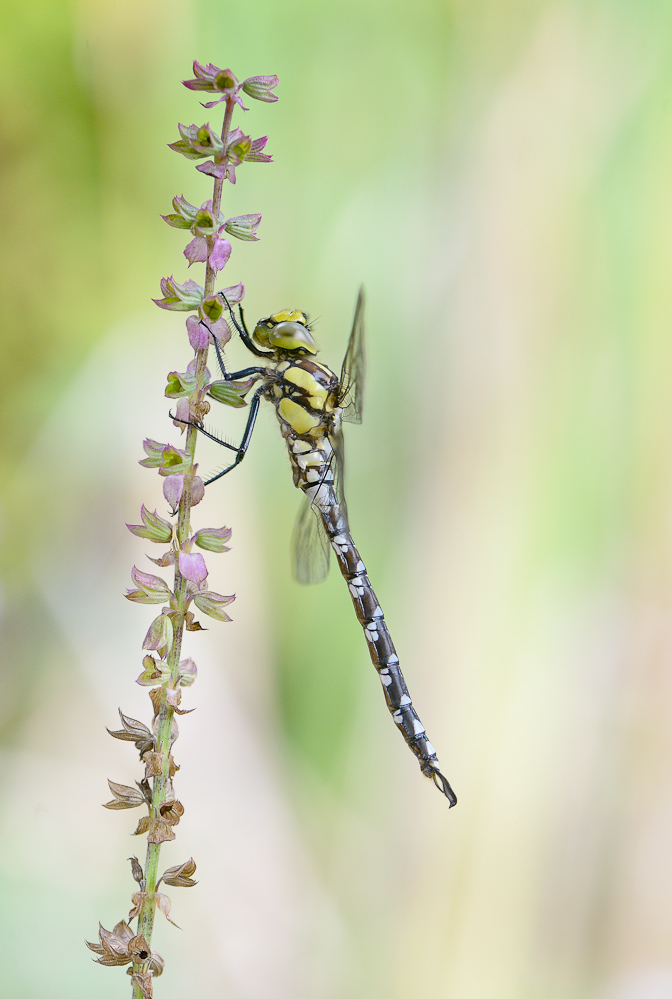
(242, 331)
(230, 376)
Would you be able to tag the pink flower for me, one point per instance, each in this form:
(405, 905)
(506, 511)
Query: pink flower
(193, 567)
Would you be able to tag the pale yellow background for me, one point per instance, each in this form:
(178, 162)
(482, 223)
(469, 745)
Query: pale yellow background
(499, 175)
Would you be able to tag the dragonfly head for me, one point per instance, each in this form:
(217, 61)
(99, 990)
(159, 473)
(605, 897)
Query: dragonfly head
(286, 333)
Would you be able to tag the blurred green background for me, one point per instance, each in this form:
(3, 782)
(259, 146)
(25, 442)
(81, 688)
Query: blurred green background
(498, 173)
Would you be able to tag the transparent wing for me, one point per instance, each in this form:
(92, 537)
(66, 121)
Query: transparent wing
(338, 466)
(310, 546)
(351, 392)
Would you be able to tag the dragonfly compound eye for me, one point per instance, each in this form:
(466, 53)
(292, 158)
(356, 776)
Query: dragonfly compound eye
(291, 336)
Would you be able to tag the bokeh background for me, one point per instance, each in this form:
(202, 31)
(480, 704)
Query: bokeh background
(498, 173)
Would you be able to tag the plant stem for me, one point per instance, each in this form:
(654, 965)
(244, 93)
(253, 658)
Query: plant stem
(183, 532)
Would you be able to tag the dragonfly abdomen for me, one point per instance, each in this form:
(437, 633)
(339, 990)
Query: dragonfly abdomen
(381, 649)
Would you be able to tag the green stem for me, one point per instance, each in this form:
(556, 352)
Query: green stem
(183, 532)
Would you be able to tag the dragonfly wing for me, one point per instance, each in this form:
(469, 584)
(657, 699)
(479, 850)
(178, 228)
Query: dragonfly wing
(338, 466)
(350, 397)
(310, 546)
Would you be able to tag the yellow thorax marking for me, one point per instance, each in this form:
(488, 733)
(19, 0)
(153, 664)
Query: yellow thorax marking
(307, 381)
(299, 419)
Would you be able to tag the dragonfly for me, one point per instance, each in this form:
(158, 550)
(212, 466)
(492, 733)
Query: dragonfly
(312, 403)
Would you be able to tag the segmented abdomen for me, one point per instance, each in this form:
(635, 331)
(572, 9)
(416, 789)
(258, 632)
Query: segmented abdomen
(370, 616)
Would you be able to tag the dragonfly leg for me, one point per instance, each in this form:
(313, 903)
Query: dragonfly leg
(247, 436)
(230, 375)
(241, 450)
(243, 331)
(202, 430)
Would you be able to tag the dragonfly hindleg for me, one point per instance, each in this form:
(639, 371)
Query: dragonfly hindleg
(241, 450)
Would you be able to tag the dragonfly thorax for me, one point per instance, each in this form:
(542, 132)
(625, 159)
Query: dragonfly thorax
(286, 333)
(304, 394)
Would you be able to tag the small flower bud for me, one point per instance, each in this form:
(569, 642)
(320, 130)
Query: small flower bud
(175, 461)
(255, 154)
(231, 393)
(184, 214)
(238, 146)
(154, 451)
(243, 226)
(205, 222)
(151, 589)
(197, 141)
(211, 80)
(259, 88)
(212, 604)
(153, 527)
(179, 297)
(180, 383)
(136, 870)
(213, 539)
